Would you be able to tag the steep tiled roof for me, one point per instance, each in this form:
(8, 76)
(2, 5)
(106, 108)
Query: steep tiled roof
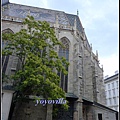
(21, 11)
(72, 18)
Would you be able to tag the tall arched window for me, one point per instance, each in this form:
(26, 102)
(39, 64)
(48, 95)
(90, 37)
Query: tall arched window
(64, 52)
(5, 59)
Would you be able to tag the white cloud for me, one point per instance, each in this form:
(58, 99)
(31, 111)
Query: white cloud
(110, 64)
(91, 11)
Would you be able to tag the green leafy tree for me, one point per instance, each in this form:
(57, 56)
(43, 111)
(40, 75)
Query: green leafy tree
(34, 46)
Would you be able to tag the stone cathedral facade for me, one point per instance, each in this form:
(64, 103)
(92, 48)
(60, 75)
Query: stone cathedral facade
(84, 85)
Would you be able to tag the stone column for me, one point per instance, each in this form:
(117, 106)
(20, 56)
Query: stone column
(78, 115)
(49, 112)
(75, 114)
(80, 111)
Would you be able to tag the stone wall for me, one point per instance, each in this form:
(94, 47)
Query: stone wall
(85, 76)
(91, 113)
(100, 85)
(106, 113)
(28, 111)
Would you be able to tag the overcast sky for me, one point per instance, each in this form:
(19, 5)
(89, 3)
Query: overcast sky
(100, 20)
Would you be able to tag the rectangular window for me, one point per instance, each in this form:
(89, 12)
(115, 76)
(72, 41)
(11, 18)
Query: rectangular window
(110, 101)
(106, 93)
(117, 83)
(113, 92)
(113, 85)
(108, 86)
(114, 99)
(109, 91)
(99, 116)
(117, 91)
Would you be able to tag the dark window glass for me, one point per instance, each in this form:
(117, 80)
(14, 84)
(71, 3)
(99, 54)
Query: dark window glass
(5, 64)
(64, 52)
(99, 116)
(5, 59)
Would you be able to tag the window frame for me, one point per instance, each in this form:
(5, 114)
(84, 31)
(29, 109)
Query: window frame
(64, 52)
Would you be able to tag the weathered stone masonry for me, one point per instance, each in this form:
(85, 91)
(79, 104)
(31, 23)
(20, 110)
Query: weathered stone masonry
(85, 77)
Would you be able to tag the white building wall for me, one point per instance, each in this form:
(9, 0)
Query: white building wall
(112, 93)
(6, 103)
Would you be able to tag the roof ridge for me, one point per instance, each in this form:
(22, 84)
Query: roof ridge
(38, 13)
(36, 7)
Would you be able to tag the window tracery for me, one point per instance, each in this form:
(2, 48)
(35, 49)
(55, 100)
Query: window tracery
(64, 52)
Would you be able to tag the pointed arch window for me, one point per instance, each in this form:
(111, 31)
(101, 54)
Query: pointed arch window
(64, 52)
(5, 59)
